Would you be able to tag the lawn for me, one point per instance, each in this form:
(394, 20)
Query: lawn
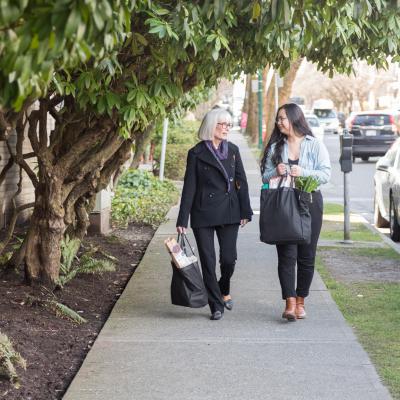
(333, 230)
(372, 309)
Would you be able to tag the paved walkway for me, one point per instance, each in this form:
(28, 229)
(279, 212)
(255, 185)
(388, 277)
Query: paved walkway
(151, 350)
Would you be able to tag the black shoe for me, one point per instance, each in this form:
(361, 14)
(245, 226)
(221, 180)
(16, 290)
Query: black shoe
(215, 316)
(228, 304)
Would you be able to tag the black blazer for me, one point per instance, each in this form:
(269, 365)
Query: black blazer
(205, 196)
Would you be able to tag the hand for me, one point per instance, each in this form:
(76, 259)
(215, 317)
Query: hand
(243, 222)
(181, 229)
(295, 170)
(281, 169)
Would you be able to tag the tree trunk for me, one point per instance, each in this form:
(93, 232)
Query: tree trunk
(142, 139)
(247, 94)
(252, 122)
(43, 241)
(283, 95)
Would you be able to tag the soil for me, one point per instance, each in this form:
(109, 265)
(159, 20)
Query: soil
(351, 268)
(54, 348)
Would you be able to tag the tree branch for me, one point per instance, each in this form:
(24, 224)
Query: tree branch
(86, 141)
(19, 156)
(15, 212)
(32, 131)
(5, 169)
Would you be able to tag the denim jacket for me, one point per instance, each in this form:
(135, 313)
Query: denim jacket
(314, 160)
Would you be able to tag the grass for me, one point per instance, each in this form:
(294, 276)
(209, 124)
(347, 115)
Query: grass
(358, 232)
(372, 310)
(333, 209)
(385, 253)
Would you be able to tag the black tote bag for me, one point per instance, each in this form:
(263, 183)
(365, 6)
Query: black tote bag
(285, 215)
(187, 286)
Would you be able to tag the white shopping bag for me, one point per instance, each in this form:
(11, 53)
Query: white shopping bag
(286, 181)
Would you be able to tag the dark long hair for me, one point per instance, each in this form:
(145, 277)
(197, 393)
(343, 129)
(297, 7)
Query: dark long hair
(296, 118)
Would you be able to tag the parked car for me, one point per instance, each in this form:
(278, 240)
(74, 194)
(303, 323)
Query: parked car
(387, 191)
(328, 120)
(316, 128)
(373, 132)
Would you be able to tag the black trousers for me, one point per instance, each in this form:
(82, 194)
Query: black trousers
(303, 255)
(227, 238)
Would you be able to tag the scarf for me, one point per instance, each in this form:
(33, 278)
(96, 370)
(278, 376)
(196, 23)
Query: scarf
(221, 153)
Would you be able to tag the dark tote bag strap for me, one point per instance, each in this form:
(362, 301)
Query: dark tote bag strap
(183, 241)
(283, 177)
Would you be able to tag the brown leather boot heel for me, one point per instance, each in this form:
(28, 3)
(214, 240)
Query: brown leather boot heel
(300, 311)
(290, 310)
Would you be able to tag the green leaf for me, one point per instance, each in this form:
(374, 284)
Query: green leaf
(73, 22)
(162, 11)
(98, 20)
(141, 39)
(256, 11)
(35, 42)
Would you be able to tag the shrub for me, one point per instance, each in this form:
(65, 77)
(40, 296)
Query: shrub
(140, 197)
(87, 263)
(9, 360)
(183, 132)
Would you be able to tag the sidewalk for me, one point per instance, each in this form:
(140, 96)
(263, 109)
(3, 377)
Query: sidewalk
(151, 350)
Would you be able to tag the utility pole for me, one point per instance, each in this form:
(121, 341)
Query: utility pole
(163, 148)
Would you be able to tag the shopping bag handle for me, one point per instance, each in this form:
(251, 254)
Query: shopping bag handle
(292, 185)
(181, 240)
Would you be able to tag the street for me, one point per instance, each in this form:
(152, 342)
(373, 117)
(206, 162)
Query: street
(361, 181)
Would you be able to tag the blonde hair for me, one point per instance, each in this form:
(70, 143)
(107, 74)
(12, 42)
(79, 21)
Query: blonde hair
(210, 120)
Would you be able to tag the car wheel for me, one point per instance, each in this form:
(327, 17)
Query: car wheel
(394, 223)
(365, 158)
(379, 221)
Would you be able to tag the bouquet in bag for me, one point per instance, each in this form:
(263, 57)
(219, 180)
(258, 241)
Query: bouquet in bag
(306, 183)
(305, 186)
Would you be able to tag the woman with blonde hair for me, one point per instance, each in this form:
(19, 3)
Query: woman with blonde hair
(215, 195)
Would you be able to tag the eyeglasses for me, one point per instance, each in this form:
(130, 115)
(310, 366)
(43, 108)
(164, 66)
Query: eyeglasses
(280, 119)
(225, 125)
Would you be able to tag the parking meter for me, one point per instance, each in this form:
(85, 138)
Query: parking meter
(346, 151)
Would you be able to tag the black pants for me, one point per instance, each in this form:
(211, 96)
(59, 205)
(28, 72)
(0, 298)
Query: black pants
(227, 238)
(304, 255)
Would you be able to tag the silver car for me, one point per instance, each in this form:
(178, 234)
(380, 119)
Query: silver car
(387, 191)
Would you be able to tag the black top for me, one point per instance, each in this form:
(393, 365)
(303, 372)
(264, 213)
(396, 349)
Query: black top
(293, 162)
(205, 195)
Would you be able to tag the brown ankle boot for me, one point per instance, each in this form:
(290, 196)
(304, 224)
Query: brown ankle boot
(300, 311)
(290, 310)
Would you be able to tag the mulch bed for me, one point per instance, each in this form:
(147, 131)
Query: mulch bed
(54, 348)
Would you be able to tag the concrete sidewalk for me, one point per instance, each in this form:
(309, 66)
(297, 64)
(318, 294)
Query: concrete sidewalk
(151, 350)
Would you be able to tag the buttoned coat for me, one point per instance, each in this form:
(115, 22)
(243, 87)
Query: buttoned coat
(205, 195)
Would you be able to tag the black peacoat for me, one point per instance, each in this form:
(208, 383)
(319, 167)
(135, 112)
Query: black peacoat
(205, 195)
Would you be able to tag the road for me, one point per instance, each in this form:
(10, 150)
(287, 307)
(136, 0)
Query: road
(361, 181)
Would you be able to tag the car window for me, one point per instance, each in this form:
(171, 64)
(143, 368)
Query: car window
(313, 122)
(325, 113)
(372, 120)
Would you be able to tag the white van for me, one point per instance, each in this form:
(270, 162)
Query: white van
(323, 109)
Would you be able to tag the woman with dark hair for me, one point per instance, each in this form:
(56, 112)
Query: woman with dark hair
(216, 197)
(293, 150)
